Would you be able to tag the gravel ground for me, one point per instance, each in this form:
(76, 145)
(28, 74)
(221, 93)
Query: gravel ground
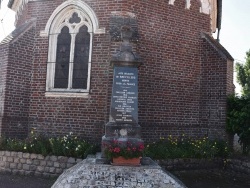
(16, 181)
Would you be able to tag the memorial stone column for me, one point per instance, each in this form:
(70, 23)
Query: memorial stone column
(123, 124)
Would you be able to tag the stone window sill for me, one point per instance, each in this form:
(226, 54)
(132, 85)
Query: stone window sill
(66, 94)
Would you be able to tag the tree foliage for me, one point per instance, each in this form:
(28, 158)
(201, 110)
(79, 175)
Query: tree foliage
(238, 114)
(238, 119)
(243, 75)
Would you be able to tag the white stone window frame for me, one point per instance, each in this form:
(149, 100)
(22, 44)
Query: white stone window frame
(57, 21)
(73, 30)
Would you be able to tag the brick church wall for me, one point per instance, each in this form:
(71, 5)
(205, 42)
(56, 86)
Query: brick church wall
(214, 90)
(174, 80)
(169, 80)
(4, 49)
(17, 85)
(61, 115)
(230, 77)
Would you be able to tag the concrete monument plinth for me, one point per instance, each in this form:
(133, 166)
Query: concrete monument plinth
(96, 172)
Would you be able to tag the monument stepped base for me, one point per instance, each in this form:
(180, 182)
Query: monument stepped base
(95, 172)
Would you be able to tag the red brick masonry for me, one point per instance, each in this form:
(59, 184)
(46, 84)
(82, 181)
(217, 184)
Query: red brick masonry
(183, 82)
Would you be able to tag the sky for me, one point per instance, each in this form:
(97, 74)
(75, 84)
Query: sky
(234, 35)
(235, 30)
(7, 19)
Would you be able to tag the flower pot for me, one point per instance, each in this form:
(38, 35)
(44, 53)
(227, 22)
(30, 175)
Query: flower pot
(126, 162)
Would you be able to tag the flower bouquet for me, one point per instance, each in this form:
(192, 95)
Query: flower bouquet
(124, 153)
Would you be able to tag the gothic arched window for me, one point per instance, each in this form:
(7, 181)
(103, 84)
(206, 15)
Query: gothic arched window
(70, 29)
(69, 56)
(72, 58)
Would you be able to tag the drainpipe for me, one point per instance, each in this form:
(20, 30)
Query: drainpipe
(219, 16)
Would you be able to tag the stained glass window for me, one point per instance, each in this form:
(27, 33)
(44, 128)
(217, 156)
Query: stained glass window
(81, 58)
(62, 59)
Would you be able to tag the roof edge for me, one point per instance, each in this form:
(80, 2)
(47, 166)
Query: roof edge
(217, 46)
(14, 35)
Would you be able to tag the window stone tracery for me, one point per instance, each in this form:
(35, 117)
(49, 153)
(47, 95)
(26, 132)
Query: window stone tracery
(69, 57)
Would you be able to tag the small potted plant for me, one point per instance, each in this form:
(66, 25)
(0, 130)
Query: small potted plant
(124, 153)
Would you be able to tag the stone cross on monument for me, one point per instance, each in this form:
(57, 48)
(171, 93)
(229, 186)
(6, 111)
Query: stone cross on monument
(123, 124)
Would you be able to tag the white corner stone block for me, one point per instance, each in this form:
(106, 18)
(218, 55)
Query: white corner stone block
(171, 2)
(205, 6)
(188, 4)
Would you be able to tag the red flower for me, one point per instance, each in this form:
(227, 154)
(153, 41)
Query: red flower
(141, 147)
(127, 150)
(117, 150)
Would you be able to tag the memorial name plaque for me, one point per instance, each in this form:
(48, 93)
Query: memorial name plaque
(124, 102)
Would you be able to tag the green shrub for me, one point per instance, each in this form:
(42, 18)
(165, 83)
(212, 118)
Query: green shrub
(68, 145)
(12, 144)
(238, 119)
(171, 148)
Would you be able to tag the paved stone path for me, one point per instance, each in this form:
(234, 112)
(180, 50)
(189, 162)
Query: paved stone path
(16, 181)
